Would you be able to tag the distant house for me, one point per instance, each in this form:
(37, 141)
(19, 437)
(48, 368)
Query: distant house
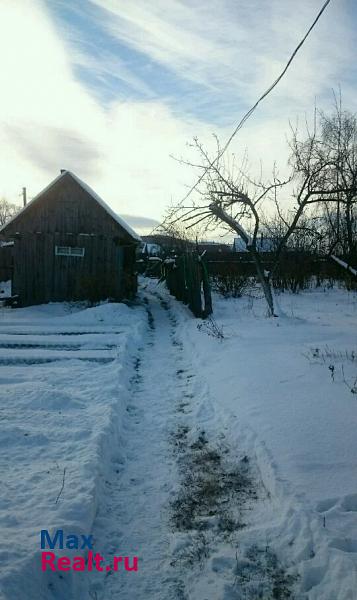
(264, 244)
(214, 248)
(160, 244)
(168, 244)
(70, 245)
(148, 249)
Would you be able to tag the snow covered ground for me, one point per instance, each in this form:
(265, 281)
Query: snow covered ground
(286, 390)
(227, 465)
(63, 381)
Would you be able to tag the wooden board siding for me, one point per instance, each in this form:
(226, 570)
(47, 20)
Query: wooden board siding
(67, 215)
(66, 207)
(41, 276)
(6, 262)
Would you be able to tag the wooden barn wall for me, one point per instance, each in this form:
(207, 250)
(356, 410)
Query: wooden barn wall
(67, 215)
(66, 207)
(41, 276)
(6, 262)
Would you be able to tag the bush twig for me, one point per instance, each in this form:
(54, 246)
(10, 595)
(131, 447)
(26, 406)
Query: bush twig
(62, 488)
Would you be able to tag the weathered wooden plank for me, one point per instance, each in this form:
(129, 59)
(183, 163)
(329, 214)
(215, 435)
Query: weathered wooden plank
(66, 215)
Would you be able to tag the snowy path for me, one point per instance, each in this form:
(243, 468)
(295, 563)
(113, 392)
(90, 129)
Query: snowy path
(180, 492)
(178, 452)
(132, 519)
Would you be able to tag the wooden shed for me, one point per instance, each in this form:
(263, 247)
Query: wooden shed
(70, 245)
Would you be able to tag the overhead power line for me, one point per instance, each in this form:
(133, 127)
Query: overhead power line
(252, 109)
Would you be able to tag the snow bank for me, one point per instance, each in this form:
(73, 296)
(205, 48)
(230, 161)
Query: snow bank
(285, 389)
(5, 289)
(59, 419)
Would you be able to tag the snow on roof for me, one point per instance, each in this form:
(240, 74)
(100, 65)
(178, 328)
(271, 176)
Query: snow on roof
(107, 208)
(91, 192)
(239, 245)
(263, 244)
(151, 248)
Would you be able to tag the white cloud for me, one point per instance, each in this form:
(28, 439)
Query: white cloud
(40, 102)
(49, 120)
(237, 48)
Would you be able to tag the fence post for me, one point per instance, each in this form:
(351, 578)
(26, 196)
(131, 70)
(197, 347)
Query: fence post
(206, 290)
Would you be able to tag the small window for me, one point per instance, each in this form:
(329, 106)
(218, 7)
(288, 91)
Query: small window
(68, 251)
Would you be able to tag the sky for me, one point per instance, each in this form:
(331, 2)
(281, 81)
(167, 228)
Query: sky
(112, 89)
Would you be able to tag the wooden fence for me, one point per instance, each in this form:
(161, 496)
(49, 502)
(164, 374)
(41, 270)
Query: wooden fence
(187, 279)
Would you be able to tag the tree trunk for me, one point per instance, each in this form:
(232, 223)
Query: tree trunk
(219, 212)
(349, 227)
(264, 281)
(206, 290)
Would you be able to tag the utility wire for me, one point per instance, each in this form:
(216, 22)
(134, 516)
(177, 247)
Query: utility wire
(252, 109)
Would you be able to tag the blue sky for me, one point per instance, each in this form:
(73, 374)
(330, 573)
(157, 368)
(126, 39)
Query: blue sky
(202, 58)
(111, 88)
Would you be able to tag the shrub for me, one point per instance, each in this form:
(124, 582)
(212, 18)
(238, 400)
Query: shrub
(229, 285)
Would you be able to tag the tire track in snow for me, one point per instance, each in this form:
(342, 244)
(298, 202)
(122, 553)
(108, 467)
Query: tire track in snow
(168, 416)
(133, 519)
(217, 548)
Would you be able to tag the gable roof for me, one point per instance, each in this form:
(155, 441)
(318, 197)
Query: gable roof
(89, 191)
(264, 244)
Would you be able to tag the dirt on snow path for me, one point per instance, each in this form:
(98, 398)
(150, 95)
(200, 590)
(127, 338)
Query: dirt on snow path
(131, 520)
(177, 495)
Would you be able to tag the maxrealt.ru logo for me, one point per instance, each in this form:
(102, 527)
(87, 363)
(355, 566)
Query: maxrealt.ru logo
(92, 561)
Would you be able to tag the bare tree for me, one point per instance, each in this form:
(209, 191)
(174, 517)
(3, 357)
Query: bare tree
(178, 238)
(325, 166)
(339, 144)
(7, 211)
(228, 196)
